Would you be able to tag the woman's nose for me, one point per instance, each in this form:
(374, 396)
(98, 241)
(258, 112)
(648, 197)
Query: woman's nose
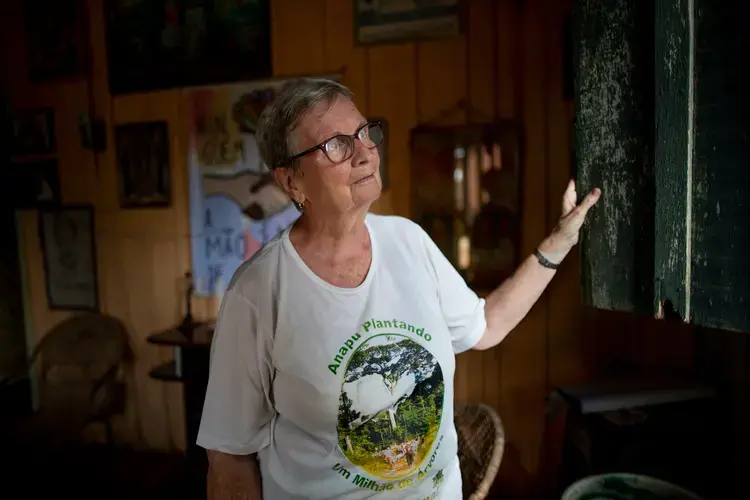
(362, 154)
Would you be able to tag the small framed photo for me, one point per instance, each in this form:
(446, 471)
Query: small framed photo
(69, 250)
(143, 164)
(32, 132)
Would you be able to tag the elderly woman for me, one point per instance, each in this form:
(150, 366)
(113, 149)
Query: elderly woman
(333, 358)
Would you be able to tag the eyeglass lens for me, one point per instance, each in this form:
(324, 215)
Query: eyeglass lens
(341, 147)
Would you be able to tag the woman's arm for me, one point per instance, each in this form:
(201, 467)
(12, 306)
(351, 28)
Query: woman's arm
(237, 411)
(512, 300)
(233, 477)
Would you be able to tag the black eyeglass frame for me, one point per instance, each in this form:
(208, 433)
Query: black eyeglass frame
(353, 137)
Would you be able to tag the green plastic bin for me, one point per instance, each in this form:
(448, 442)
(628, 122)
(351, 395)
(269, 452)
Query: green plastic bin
(623, 486)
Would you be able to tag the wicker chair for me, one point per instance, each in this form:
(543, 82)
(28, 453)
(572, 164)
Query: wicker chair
(79, 362)
(481, 441)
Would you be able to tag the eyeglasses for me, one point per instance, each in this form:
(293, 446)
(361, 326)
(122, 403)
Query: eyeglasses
(340, 148)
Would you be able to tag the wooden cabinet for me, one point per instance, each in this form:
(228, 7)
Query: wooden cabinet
(663, 127)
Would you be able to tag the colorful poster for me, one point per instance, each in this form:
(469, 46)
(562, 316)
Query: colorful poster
(235, 205)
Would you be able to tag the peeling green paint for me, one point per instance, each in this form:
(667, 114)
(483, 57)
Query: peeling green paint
(673, 154)
(614, 150)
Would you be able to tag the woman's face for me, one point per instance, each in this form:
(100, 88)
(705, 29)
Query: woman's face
(329, 189)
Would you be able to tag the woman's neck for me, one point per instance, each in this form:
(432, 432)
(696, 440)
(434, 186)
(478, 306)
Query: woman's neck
(333, 235)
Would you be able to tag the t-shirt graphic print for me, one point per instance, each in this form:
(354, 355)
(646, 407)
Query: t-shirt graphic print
(391, 405)
(390, 408)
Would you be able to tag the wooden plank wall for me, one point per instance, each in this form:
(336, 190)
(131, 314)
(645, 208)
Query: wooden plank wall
(507, 65)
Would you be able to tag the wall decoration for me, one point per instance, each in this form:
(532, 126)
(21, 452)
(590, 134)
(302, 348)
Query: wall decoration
(236, 207)
(69, 250)
(55, 38)
(32, 132)
(143, 164)
(158, 44)
(388, 22)
(32, 184)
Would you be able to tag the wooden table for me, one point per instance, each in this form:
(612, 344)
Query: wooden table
(190, 368)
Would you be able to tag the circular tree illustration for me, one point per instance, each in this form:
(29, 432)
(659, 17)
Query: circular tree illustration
(390, 407)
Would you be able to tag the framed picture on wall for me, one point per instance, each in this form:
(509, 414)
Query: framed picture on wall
(69, 251)
(56, 39)
(32, 132)
(143, 164)
(157, 45)
(378, 22)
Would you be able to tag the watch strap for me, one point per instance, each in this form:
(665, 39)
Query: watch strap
(544, 261)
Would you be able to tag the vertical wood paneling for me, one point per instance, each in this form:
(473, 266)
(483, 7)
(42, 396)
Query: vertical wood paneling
(136, 257)
(340, 51)
(482, 58)
(479, 371)
(168, 297)
(441, 81)
(393, 94)
(566, 339)
(506, 98)
(298, 40)
(508, 57)
(524, 355)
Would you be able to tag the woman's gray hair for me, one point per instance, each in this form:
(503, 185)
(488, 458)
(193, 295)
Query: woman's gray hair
(282, 115)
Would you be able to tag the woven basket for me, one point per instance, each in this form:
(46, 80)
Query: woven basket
(481, 441)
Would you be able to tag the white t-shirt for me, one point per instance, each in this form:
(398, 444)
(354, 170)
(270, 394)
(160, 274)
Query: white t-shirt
(344, 393)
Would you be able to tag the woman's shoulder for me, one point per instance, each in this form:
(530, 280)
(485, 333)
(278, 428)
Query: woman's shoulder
(394, 224)
(258, 272)
(397, 230)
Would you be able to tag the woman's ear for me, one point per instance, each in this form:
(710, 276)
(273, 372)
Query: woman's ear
(289, 183)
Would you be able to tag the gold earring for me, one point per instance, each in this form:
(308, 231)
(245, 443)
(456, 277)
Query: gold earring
(299, 205)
